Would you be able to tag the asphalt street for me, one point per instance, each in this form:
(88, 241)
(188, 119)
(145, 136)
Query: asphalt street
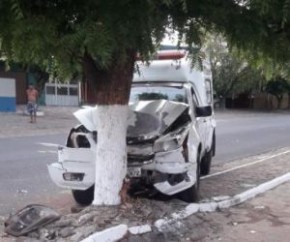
(24, 177)
(244, 134)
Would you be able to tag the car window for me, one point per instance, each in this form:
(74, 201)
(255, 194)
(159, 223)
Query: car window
(208, 86)
(146, 93)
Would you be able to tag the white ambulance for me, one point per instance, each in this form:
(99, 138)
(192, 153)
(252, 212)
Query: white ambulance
(169, 146)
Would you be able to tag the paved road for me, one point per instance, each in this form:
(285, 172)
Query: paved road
(24, 177)
(23, 174)
(243, 134)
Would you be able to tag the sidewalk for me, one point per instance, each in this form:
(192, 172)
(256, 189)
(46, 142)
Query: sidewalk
(55, 120)
(265, 218)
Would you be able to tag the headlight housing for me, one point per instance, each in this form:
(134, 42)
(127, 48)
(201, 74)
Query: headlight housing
(172, 140)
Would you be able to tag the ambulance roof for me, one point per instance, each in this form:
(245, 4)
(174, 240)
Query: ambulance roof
(170, 66)
(174, 66)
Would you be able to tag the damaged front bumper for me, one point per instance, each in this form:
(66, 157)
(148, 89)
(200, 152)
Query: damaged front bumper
(74, 169)
(163, 168)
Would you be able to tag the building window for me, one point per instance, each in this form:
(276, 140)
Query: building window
(73, 91)
(50, 90)
(62, 91)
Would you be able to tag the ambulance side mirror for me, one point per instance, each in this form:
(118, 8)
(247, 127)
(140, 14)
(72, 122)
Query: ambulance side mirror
(203, 111)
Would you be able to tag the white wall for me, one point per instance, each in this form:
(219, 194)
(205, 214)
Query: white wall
(7, 87)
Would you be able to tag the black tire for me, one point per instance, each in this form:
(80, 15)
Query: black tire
(85, 197)
(191, 194)
(213, 146)
(206, 163)
(206, 160)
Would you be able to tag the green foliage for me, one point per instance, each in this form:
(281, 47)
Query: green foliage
(277, 86)
(231, 75)
(42, 32)
(39, 31)
(265, 37)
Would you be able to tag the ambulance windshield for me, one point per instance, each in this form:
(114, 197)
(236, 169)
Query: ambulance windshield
(146, 93)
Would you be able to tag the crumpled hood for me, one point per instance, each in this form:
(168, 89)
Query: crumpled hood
(86, 116)
(146, 119)
(149, 119)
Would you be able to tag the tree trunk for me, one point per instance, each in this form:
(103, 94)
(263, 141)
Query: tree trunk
(111, 153)
(288, 100)
(112, 87)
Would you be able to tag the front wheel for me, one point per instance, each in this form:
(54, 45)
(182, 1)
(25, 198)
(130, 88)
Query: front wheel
(206, 159)
(206, 163)
(191, 194)
(85, 197)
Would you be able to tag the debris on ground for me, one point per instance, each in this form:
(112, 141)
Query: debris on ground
(29, 219)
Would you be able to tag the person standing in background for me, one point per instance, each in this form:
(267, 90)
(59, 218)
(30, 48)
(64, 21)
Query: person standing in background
(32, 95)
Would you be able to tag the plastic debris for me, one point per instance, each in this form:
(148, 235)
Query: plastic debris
(30, 218)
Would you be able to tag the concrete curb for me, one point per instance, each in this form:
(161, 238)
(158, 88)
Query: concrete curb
(108, 235)
(142, 229)
(163, 225)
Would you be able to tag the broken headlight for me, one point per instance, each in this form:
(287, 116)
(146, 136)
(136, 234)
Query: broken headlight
(172, 140)
(69, 176)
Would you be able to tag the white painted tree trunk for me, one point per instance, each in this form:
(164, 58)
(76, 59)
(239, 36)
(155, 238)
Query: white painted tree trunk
(111, 159)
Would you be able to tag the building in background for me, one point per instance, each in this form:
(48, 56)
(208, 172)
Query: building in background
(62, 94)
(20, 84)
(7, 95)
